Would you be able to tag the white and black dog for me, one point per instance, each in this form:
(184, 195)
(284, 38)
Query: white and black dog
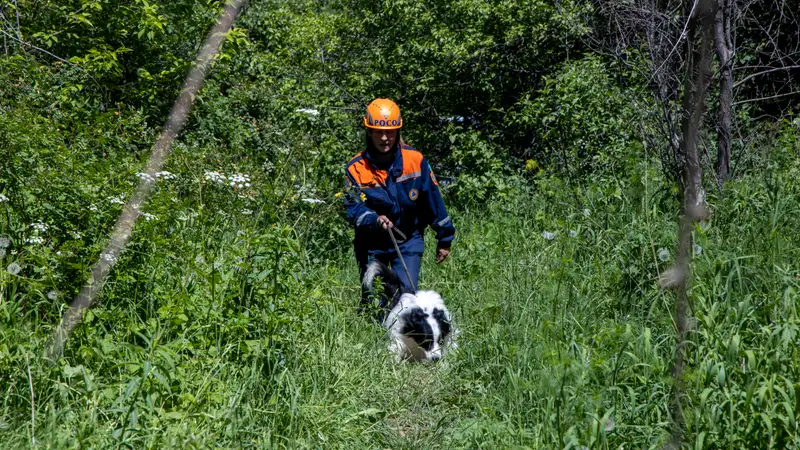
(420, 326)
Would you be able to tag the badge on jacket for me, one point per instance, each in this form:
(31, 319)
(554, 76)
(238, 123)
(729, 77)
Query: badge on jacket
(413, 194)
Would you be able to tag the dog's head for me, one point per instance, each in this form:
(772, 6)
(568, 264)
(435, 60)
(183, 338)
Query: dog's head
(424, 326)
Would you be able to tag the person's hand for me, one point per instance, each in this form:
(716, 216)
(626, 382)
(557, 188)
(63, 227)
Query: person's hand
(385, 223)
(442, 254)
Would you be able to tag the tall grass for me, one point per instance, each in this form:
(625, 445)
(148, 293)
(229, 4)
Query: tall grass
(223, 329)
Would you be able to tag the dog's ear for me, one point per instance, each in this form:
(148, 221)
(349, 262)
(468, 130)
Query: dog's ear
(444, 322)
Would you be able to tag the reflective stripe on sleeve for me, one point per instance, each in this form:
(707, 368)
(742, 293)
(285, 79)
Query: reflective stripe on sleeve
(409, 176)
(362, 216)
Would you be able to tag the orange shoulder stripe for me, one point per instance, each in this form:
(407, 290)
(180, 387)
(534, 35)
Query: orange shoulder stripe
(412, 162)
(366, 175)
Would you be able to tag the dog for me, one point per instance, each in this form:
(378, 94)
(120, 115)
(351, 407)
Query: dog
(419, 325)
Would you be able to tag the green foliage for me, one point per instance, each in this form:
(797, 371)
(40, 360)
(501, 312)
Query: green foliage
(230, 320)
(583, 120)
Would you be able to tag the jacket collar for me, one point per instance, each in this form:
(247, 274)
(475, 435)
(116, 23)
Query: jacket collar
(395, 167)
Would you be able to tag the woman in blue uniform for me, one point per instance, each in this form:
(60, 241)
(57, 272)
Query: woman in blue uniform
(390, 187)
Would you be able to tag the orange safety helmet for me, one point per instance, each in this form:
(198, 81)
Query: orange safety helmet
(383, 114)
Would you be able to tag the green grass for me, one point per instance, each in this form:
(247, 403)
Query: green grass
(231, 321)
(565, 342)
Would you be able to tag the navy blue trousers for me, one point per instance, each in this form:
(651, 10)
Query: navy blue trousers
(412, 261)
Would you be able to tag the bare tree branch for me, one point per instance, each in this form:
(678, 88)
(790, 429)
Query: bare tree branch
(750, 100)
(48, 53)
(763, 72)
(124, 227)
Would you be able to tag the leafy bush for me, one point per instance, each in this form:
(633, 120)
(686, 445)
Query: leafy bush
(582, 120)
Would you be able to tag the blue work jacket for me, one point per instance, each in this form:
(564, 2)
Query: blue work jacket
(405, 191)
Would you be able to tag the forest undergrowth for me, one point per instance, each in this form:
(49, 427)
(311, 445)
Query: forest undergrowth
(231, 319)
(221, 329)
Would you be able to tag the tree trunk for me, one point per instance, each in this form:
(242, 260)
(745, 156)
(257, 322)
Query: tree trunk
(724, 47)
(699, 44)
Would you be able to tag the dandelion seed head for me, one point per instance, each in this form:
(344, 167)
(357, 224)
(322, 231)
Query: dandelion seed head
(587, 212)
(4, 241)
(663, 255)
(549, 235)
(13, 268)
(697, 249)
(52, 295)
(573, 233)
(2, 253)
(609, 424)
(199, 259)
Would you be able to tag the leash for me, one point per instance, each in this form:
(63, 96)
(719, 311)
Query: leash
(400, 255)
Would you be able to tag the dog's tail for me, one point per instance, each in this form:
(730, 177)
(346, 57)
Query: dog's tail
(393, 288)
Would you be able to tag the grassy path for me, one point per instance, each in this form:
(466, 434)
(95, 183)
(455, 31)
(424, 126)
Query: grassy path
(536, 366)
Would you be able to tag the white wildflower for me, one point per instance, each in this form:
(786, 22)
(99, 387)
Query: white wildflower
(311, 112)
(199, 259)
(35, 240)
(2, 253)
(52, 295)
(4, 241)
(313, 200)
(119, 200)
(13, 268)
(3, 198)
(92, 208)
(697, 249)
(549, 235)
(108, 257)
(76, 235)
(268, 166)
(147, 216)
(239, 180)
(165, 175)
(247, 212)
(146, 177)
(663, 254)
(587, 212)
(573, 233)
(215, 177)
(39, 227)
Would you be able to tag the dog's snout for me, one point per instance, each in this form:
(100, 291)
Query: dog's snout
(435, 357)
